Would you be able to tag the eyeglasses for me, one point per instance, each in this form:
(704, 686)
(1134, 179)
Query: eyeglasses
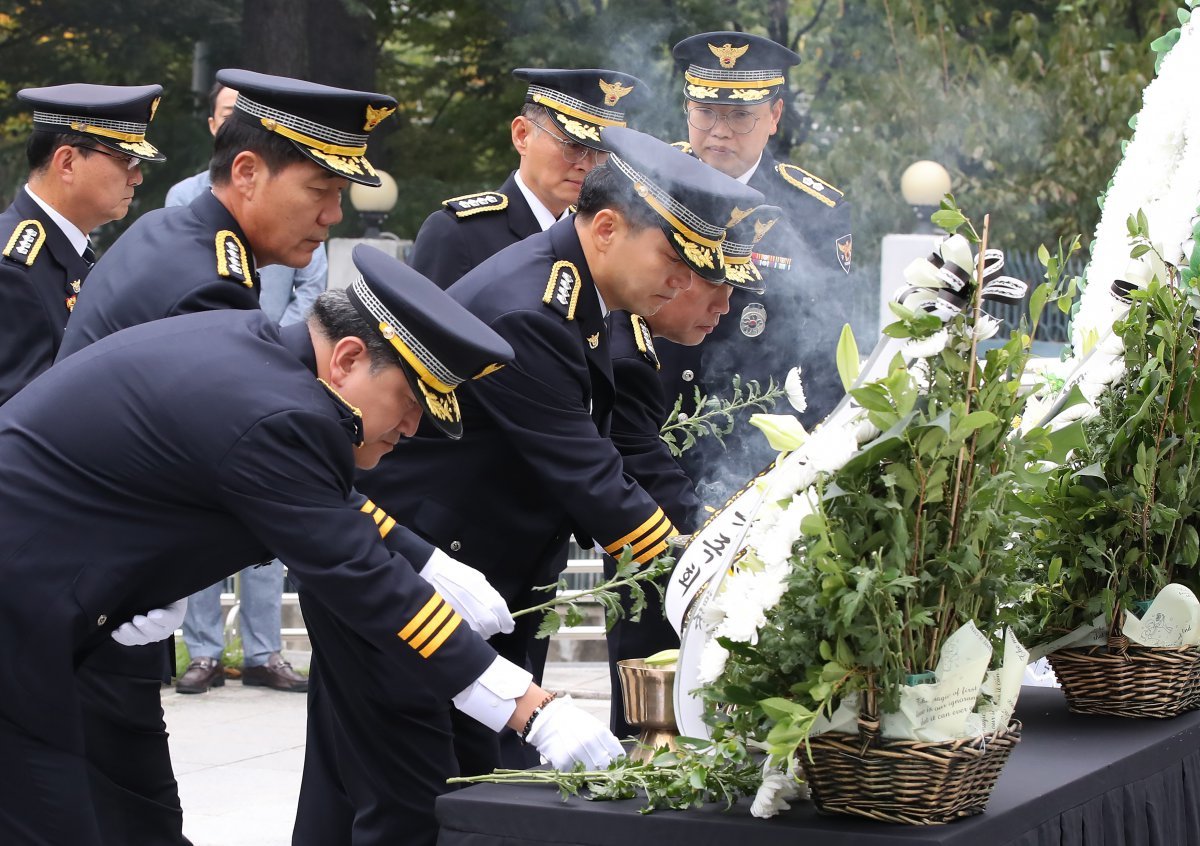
(130, 161)
(572, 151)
(739, 121)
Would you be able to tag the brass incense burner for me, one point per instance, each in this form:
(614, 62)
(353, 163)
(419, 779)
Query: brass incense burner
(648, 696)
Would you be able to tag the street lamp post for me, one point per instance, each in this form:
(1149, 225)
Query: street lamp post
(923, 185)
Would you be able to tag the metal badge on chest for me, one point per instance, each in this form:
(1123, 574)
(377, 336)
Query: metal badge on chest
(753, 321)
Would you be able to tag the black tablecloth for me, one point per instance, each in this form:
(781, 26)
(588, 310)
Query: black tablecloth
(1072, 781)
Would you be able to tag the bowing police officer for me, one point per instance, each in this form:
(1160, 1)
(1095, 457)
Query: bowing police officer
(733, 87)
(557, 136)
(534, 464)
(189, 473)
(280, 164)
(641, 410)
(85, 156)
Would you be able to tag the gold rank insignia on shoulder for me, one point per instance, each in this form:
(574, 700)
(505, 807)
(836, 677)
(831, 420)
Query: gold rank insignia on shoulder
(472, 204)
(811, 185)
(231, 258)
(644, 339)
(25, 242)
(562, 289)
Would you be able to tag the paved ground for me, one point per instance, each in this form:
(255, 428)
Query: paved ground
(238, 752)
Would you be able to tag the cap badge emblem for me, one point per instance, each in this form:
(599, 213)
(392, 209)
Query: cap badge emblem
(154, 107)
(737, 216)
(614, 91)
(375, 116)
(761, 228)
(593, 341)
(727, 53)
(754, 320)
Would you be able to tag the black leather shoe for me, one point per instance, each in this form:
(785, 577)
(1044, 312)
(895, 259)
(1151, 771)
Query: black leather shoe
(276, 674)
(200, 675)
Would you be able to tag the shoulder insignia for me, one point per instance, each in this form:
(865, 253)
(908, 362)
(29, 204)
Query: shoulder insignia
(845, 251)
(684, 146)
(231, 258)
(470, 204)
(814, 186)
(25, 242)
(644, 339)
(562, 289)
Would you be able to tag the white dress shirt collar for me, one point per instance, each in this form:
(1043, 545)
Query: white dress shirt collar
(75, 235)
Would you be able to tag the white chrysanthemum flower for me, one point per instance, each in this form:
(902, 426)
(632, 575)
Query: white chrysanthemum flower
(793, 386)
(773, 795)
(866, 431)
(712, 662)
(830, 449)
(926, 347)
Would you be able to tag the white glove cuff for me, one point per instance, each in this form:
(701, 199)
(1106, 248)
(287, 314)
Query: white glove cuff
(492, 698)
(437, 558)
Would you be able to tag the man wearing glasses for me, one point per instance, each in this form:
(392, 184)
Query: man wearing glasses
(84, 155)
(733, 87)
(557, 135)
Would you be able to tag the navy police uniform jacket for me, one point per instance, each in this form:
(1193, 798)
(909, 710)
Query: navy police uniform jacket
(40, 277)
(641, 410)
(805, 260)
(533, 464)
(467, 230)
(178, 260)
(132, 477)
(638, 416)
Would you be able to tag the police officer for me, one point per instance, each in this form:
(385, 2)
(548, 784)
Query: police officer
(189, 473)
(557, 137)
(279, 167)
(641, 410)
(733, 82)
(85, 157)
(534, 464)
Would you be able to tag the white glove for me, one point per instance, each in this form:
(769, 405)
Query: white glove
(468, 592)
(157, 625)
(564, 733)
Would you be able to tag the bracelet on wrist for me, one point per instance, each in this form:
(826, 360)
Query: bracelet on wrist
(537, 712)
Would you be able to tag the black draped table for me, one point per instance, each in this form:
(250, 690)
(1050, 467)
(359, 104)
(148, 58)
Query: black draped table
(1073, 780)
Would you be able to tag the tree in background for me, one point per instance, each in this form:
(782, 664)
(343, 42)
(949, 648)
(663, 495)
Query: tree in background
(1026, 102)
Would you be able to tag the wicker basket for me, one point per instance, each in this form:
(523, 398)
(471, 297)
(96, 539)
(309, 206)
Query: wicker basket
(1122, 680)
(905, 781)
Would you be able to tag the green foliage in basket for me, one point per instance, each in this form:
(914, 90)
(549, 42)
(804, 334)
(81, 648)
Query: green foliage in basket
(1117, 522)
(907, 542)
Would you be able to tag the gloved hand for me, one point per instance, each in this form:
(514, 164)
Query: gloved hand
(564, 733)
(469, 593)
(157, 625)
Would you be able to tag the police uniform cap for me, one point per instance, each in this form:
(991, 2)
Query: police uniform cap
(744, 232)
(732, 68)
(581, 102)
(439, 343)
(694, 202)
(328, 125)
(115, 116)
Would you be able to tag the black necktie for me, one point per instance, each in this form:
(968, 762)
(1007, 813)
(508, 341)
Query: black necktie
(89, 254)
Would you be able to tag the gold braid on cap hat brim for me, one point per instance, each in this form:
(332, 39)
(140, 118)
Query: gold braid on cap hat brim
(415, 354)
(295, 128)
(682, 219)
